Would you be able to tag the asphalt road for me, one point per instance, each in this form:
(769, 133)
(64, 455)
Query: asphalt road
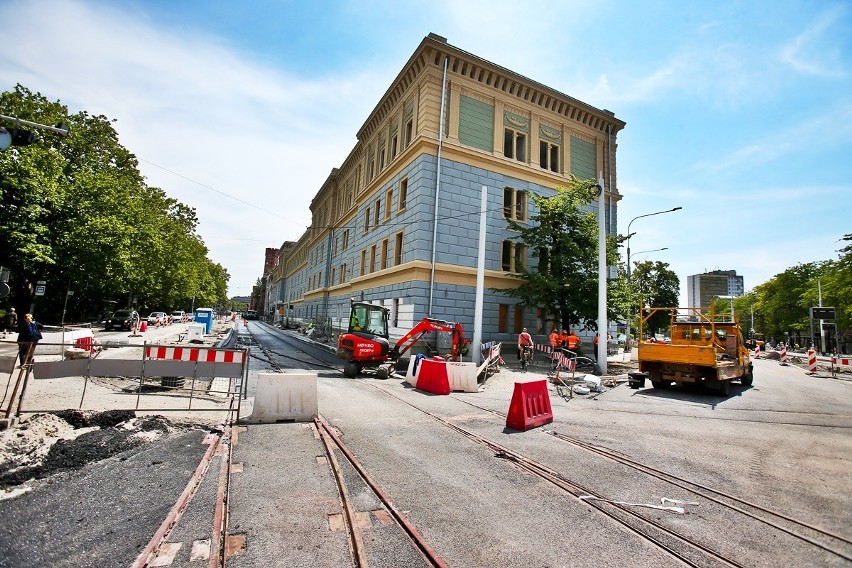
(783, 443)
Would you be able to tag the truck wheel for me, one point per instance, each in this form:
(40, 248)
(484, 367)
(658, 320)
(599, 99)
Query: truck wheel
(725, 387)
(351, 370)
(661, 384)
(748, 378)
(382, 373)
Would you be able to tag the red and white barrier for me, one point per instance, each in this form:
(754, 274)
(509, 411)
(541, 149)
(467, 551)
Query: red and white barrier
(194, 354)
(841, 361)
(757, 352)
(812, 361)
(783, 354)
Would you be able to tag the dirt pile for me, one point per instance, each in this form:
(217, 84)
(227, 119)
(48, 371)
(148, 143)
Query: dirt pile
(44, 444)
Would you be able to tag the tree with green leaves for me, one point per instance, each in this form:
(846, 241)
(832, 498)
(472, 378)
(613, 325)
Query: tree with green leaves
(563, 236)
(658, 286)
(77, 214)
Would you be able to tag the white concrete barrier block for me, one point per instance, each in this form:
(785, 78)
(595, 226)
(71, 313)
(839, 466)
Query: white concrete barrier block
(410, 375)
(285, 397)
(462, 376)
(195, 331)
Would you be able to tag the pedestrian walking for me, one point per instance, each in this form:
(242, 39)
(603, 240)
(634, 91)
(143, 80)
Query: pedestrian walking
(29, 334)
(11, 322)
(596, 342)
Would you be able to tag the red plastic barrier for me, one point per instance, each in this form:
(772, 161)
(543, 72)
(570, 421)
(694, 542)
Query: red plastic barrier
(432, 377)
(84, 343)
(530, 406)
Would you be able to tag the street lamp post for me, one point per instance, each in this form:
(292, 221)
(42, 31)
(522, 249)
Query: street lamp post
(629, 234)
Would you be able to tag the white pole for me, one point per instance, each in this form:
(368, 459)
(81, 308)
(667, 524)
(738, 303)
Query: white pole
(602, 321)
(480, 280)
(822, 348)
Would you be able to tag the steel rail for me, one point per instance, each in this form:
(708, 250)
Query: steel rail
(414, 535)
(706, 492)
(575, 490)
(149, 552)
(684, 483)
(356, 540)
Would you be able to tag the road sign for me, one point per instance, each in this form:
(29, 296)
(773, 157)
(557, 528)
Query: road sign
(39, 290)
(822, 313)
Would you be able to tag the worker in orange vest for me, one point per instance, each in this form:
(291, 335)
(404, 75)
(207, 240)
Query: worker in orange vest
(563, 338)
(572, 341)
(554, 338)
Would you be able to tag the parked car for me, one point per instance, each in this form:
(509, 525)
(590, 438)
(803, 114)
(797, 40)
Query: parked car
(158, 318)
(179, 316)
(120, 320)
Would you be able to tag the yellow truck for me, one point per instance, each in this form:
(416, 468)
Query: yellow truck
(704, 349)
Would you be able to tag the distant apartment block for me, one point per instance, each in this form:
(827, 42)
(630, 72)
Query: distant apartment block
(702, 288)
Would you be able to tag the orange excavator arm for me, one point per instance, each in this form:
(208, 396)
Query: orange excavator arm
(428, 325)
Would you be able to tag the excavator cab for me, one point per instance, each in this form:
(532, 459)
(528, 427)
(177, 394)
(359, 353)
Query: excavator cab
(368, 319)
(365, 343)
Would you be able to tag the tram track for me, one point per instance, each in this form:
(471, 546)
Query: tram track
(752, 510)
(685, 548)
(333, 442)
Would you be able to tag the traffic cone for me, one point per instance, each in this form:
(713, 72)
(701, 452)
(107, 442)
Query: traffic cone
(143, 326)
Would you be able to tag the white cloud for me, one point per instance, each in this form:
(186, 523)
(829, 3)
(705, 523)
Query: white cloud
(816, 51)
(830, 129)
(191, 104)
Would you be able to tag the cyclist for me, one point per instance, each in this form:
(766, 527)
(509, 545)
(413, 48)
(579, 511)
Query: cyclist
(525, 344)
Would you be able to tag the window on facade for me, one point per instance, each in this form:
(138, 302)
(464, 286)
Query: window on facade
(519, 319)
(539, 321)
(366, 219)
(397, 249)
(333, 276)
(548, 156)
(514, 204)
(503, 319)
(334, 248)
(382, 156)
(372, 258)
(363, 262)
(345, 239)
(394, 146)
(409, 131)
(371, 167)
(403, 194)
(388, 201)
(513, 257)
(395, 313)
(515, 144)
(384, 256)
(378, 210)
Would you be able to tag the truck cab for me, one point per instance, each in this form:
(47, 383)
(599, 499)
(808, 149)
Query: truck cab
(705, 349)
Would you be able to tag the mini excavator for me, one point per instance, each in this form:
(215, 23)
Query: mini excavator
(365, 345)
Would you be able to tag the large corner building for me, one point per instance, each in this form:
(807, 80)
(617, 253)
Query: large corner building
(397, 223)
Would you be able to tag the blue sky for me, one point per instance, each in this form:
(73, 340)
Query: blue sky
(739, 112)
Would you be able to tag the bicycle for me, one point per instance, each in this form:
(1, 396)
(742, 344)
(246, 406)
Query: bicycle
(526, 357)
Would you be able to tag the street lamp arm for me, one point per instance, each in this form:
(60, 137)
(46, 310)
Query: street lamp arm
(649, 214)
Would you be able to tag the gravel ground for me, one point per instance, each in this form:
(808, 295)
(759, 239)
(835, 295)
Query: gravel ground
(39, 445)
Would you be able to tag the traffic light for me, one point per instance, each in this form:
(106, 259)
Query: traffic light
(16, 137)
